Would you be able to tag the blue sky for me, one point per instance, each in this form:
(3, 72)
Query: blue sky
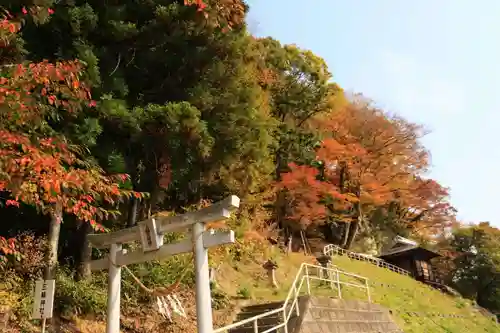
(433, 62)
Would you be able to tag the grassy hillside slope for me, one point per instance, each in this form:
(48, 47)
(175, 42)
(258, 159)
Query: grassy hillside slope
(418, 308)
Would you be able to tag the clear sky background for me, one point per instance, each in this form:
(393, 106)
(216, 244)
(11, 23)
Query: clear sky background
(435, 62)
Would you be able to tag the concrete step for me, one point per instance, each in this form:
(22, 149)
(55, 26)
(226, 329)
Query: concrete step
(336, 327)
(264, 306)
(263, 323)
(342, 314)
(251, 330)
(244, 315)
(321, 315)
(330, 315)
(343, 304)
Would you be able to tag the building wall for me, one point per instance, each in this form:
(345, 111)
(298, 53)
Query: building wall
(404, 262)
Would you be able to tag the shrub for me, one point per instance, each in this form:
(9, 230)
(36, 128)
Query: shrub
(30, 263)
(244, 293)
(155, 274)
(80, 297)
(220, 299)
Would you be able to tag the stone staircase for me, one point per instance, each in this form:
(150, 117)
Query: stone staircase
(330, 315)
(264, 323)
(300, 313)
(321, 315)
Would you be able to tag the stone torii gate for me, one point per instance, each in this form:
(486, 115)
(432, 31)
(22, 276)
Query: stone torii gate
(150, 233)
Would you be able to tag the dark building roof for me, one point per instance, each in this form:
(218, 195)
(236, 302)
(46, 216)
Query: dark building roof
(406, 247)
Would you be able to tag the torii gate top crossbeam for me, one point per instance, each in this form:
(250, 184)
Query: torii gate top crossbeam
(216, 212)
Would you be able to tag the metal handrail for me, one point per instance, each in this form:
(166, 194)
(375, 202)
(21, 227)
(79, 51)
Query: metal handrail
(331, 249)
(291, 303)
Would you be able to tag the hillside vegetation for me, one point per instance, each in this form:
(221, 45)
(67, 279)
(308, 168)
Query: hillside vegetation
(417, 307)
(241, 280)
(112, 112)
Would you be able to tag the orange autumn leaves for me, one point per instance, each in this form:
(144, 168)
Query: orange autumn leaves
(26, 90)
(37, 165)
(46, 173)
(367, 158)
(10, 24)
(224, 14)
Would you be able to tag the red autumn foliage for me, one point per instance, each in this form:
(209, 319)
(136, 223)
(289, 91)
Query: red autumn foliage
(7, 246)
(428, 202)
(307, 192)
(38, 166)
(224, 14)
(368, 159)
(200, 4)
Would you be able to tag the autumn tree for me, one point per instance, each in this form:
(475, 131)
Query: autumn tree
(425, 208)
(199, 67)
(368, 160)
(38, 166)
(298, 88)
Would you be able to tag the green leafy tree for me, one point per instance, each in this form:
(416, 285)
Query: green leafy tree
(300, 90)
(159, 57)
(476, 271)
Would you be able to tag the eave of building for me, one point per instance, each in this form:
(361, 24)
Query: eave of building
(406, 250)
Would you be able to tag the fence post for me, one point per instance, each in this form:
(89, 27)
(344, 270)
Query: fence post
(285, 328)
(307, 281)
(338, 285)
(296, 300)
(368, 291)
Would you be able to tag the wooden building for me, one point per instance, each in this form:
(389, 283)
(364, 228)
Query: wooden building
(410, 256)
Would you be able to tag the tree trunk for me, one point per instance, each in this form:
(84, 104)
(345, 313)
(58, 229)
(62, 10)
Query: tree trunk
(53, 243)
(357, 217)
(278, 157)
(354, 226)
(353, 231)
(281, 208)
(303, 240)
(278, 167)
(290, 241)
(85, 253)
(345, 234)
(343, 180)
(132, 212)
(152, 202)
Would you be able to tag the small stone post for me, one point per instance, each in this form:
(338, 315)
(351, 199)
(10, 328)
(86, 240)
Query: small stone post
(212, 275)
(324, 260)
(270, 266)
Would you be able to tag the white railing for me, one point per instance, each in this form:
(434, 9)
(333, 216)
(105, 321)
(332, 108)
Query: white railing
(332, 249)
(291, 303)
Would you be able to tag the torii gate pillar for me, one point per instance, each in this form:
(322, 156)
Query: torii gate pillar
(114, 290)
(150, 233)
(203, 295)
